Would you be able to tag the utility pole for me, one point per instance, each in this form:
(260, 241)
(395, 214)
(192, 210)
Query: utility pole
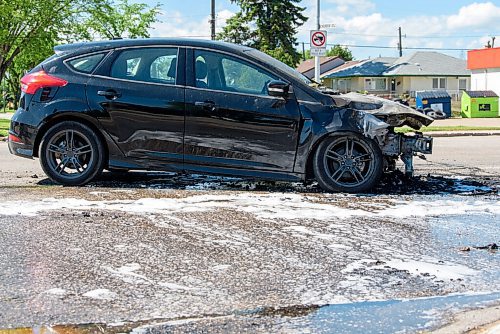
(400, 45)
(316, 58)
(303, 51)
(212, 20)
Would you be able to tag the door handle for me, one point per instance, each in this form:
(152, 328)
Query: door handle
(207, 105)
(109, 94)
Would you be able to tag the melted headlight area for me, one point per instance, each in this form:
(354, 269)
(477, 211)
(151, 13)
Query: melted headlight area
(395, 145)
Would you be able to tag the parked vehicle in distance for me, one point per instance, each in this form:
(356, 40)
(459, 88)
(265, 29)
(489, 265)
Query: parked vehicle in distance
(204, 107)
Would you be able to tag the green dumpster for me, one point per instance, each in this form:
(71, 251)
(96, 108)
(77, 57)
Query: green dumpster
(479, 104)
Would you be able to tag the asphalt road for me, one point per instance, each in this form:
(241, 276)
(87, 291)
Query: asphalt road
(158, 252)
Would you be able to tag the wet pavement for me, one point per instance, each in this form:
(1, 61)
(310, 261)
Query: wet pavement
(157, 252)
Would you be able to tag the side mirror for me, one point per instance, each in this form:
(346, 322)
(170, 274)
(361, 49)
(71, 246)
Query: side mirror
(278, 88)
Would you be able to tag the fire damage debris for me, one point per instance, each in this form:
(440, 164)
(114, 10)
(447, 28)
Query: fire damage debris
(489, 247)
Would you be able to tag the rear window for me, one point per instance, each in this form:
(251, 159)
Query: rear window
(86, 64)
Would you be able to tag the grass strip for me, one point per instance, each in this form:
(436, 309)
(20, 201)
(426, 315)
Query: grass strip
(4, 127)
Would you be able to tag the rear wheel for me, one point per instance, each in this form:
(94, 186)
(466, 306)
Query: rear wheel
(350, 163)
(71, 154)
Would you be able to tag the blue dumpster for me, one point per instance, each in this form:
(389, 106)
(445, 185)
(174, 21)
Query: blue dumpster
(434, 99)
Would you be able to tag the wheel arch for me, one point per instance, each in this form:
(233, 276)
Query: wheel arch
(73, 117)
(314, 147)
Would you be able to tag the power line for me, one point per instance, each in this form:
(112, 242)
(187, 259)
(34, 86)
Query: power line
(413, 36)
(391, 47)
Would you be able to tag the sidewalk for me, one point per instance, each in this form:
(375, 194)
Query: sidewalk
(6, 115)
(489, 122)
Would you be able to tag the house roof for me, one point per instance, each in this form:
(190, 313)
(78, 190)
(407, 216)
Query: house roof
(308, 64)
(341, 67)
(416, 64)
(428, 63)
(370, 67)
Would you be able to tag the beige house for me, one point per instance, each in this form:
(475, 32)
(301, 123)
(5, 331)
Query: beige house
(397, 76)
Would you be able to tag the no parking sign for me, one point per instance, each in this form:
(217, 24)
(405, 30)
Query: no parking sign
(318, 42)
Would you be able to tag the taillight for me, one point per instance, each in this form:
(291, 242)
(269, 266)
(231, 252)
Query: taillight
(15, 139)
(32, 81)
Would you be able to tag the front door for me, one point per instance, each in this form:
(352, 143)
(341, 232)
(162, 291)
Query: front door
(231, 121)
(143, 103)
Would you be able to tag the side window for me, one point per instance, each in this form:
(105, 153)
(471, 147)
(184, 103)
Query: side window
(220, 72)
(146, 64)
(164, 68)
(86, 64)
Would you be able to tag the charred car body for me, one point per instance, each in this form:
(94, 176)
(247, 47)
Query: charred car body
(204, 107)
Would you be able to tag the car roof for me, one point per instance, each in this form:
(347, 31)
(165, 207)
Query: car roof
(86, 47)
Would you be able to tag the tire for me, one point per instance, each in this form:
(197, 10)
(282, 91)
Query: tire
(348, 163)
(77, 163)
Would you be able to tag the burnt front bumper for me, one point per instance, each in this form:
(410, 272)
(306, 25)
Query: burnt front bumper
(406, 147)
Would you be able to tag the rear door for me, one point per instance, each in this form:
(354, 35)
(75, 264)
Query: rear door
(139, 98)
(231, 121)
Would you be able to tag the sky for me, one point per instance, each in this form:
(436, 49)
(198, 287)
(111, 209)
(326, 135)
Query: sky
(359, 24)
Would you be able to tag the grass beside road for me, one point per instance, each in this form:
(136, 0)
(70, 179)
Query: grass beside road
(4, 127)
(458, 128)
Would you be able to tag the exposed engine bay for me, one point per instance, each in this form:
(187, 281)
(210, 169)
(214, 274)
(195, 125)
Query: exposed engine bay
(380, 117)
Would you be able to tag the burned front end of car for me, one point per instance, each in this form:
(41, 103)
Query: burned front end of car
(379, 117)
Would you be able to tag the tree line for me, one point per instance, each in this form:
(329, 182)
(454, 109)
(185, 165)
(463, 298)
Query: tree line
(29, 29)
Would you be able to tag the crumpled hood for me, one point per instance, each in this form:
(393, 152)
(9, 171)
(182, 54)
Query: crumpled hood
(393, 113)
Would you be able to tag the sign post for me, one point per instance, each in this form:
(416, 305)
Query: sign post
(318, 49)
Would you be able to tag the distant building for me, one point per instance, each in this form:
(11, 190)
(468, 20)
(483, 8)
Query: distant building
(485, 69)
(326, 64)
(406, 75)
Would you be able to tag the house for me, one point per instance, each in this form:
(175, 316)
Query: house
(485, 69)
(405, 75)
(326, 64)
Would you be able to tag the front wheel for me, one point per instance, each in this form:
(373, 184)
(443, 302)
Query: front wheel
(349, 163)
(71, 154)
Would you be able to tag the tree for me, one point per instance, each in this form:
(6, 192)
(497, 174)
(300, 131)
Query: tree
(118, 20)
(337, 50)
(24, 22)
(267, 25)
(30, 28)
(25, 60)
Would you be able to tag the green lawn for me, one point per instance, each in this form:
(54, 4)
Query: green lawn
(458, 128)
(4, 127)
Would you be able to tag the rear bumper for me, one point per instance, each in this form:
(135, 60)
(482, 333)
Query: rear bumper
(22, 133)
(20, 149)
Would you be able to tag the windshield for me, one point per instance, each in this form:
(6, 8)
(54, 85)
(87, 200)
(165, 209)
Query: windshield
(281, 66)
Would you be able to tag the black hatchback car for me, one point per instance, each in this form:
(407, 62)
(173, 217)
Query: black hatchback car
(204, 107)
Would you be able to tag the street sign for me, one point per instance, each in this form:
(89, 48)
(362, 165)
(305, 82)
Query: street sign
(318, 42)
(328, 25)
(318, 52)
